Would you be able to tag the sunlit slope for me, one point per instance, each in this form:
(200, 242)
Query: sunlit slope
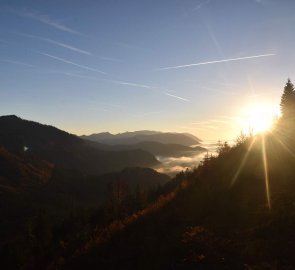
(237, 210)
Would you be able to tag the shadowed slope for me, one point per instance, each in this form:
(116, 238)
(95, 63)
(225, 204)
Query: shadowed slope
(65, 150)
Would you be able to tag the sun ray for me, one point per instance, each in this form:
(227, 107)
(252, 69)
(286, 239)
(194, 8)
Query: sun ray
(283, 145)
(266, 178)
(243, 162)
(285, 135)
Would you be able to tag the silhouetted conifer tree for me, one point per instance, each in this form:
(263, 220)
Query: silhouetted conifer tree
(288, 101)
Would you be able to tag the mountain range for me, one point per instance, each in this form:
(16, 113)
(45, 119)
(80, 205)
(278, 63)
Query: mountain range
(30, 140)
(42, 167)
(50, 180)
(31, 154)
(155, 148)
(236, 209)
(165, 144)
(127, 138)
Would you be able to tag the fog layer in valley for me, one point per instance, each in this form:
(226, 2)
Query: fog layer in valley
(174, 165)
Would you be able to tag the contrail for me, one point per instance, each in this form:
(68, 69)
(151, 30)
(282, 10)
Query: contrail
(184, 99)
(64, 45)
(18, 63)
(130, 84)
(69, 47)
(153, 88)
(218, 61)
(45, 19)
(106, 80)
(60, 44)
(71, 63)
(105, 58)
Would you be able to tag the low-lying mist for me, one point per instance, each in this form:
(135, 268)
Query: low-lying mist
(174, 165)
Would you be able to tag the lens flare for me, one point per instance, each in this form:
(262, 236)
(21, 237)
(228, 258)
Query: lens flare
(243, 162)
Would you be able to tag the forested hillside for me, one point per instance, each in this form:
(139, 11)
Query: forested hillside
(235, 211)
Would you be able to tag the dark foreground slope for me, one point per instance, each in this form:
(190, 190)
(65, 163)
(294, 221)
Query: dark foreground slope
(52, 184)
(236, 211)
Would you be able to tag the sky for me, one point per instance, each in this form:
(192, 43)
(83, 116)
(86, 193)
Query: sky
(180, 65)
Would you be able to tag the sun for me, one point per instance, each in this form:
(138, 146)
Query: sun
(258, 117)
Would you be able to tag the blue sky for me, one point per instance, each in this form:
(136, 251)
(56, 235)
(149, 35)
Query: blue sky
(92, 66)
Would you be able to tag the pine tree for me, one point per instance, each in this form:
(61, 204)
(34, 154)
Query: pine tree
(288, 100)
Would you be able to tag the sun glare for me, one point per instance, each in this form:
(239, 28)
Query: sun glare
(258, 117)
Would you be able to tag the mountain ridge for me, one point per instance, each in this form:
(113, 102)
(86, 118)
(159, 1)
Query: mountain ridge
(185, 139)
(24, 137)
(157, 149)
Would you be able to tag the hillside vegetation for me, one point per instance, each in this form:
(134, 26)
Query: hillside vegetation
(235, 211)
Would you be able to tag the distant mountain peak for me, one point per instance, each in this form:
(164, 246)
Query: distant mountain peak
(10, 117)
(143, 136)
